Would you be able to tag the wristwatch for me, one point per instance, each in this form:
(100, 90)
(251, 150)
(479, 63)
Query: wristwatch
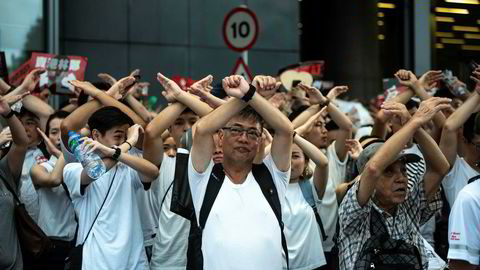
(248, 96)
(9, 115)
(117, 153)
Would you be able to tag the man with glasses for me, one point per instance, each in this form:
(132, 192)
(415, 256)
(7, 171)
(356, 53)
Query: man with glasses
(242, 231)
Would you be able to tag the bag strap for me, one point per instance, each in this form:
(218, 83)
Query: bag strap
(306, 188)
(213, 187)
(74, 213)
(101, 207)
(473, 179)
(181, 195)
(265, 181)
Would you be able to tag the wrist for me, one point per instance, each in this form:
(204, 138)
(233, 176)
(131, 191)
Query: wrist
(116, 153)
(129, 144)
(8, 114)
(249, 94)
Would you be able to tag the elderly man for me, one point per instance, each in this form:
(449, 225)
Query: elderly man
(380, 215)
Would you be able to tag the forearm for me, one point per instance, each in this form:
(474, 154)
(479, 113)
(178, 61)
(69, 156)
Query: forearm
(37, 106)
(439, 119)
(460, 116)
(274, 117)
(214, 101)
(339, 118)
(42, 178)
(431, 152)
(107, 100)
(219, 117)
(380, 128)
(197, 106)
(79, 117)
(69, 108)
(138, 108)
(305, 115)
(164, 120)
(311, 151)
(141, 165)
(19, 135)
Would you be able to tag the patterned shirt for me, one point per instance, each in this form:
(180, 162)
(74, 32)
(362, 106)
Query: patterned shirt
(355, 223)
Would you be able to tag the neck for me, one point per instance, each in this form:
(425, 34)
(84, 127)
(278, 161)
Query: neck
(389, 208)
(236, 172)
(294, 180)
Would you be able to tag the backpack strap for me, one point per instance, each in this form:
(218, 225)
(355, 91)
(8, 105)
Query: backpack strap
(306, 188)
(473, 179)
(213, 187)
(181, 202)
(75, 213)
(265, 181)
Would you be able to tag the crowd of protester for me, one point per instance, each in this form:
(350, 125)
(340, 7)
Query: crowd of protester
(267, 178)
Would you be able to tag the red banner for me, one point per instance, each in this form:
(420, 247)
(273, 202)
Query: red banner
(60, 70)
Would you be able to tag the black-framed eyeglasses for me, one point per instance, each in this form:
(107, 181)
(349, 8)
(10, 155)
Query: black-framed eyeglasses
(252, 133)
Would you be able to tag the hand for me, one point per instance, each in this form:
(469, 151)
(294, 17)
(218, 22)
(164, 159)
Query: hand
(172, 90)
(135, 72)
(428, 108)
(406, 78)
(277, 100)
(4, 107)
(51, 148)
(266, 85)
(430, 79)
(267, 137)
(354, 148)
(336, 92)
(89, 145)
(121, 87)
(86, 87)
(203, 85)
(15, 98)
(32, 79)
(133, 133)
(392, 108)
(107, 78)
(235, 86)
(476, 77)
(314, 95)
(5, 136)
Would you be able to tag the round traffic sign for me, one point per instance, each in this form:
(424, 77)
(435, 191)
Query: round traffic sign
(240, 29)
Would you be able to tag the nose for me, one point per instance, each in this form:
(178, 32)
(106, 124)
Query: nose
(171, 152)
(243, 136)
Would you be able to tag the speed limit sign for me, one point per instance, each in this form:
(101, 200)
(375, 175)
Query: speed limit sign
(240, 29)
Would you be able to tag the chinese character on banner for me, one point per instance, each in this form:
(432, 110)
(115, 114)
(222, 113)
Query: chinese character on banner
(60, 70)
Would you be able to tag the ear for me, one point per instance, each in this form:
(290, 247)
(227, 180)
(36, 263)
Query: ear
(96, 134)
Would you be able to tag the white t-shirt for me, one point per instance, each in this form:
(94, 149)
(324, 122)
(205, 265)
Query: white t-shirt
(170, 245)
(56, 216)
(116, 239)
(28, 194)
(302, 232)
(457, 178)
(328, 208)
(241, 231)
(464, 225)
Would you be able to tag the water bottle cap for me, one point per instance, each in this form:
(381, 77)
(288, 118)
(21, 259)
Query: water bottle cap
(71, 133)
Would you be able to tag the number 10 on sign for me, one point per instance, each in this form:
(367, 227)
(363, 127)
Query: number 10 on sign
(240, 29)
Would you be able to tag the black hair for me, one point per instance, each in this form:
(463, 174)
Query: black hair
(107, 118)
(25, 112)
(188, 110)
(411, 103)
(469, 128)
(249, 113)
(58, 114)
(297, 112)
(331, 125)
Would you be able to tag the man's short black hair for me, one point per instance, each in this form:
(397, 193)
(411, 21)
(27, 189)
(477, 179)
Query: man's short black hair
(58, 114)
(25, 112)
(249, 113)
(188, 110)
(107, 118)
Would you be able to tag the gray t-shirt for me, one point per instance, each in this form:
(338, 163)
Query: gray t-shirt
(10, 253)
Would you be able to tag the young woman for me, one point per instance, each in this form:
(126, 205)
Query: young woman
(302, 231)
(56, 215)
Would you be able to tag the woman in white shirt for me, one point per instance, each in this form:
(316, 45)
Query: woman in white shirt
(56, 215)
(303, 234)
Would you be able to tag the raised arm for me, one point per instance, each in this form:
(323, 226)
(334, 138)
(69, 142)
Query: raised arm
(337, 116)
(388, 152)
(16, 155)
(282, 139)
(40, 176)
(320, 174)
(449, 139)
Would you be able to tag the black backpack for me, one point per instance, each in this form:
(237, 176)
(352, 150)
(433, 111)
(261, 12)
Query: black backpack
(381, 252)
(182, 204)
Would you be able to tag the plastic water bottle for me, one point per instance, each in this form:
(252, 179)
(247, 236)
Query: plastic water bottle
(92, 162)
